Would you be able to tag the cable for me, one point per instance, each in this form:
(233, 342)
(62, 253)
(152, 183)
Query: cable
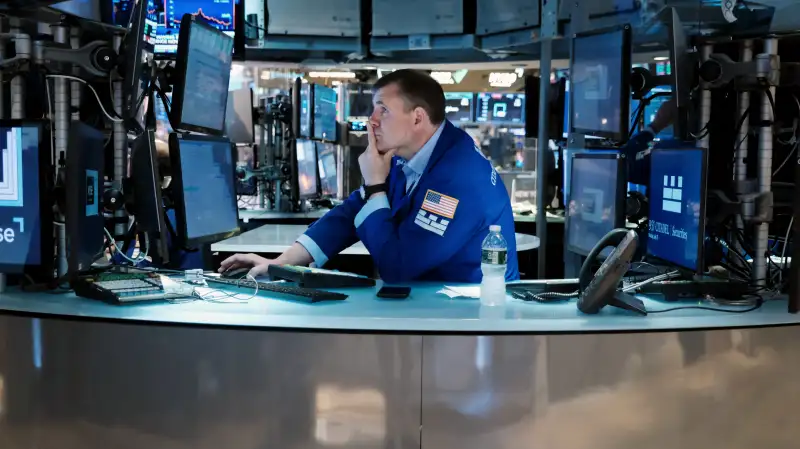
(141, 258)
(75, 78)
(758, 304)
(783, 252)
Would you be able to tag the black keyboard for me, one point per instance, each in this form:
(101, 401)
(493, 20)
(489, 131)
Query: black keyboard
(310, 295)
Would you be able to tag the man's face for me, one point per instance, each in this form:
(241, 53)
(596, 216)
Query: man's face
(393, 122)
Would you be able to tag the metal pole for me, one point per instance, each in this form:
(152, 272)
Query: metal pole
(764, 173)
(17, 83)
(120, 136)
(705, 102)
(542, 154)
(2, 116)
(76, 86)
(61, 120)
(740, 164)
(262, 154)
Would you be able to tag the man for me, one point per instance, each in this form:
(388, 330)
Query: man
(428, 200)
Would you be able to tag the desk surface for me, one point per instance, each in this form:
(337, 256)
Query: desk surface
(426, 311)
(267, 215)
(278, 238)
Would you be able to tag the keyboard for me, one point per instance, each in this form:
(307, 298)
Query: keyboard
(123, 288)
(309, 295)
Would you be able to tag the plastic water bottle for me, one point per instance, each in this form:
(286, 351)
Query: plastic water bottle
(494, 252)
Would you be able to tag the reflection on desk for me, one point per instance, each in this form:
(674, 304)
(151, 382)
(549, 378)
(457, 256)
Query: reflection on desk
(425, 311)
(256, 214)
(278, 238)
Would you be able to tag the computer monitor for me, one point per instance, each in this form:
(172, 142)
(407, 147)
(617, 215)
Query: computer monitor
(135, 52)
(203, 188)
(329, 184)
(359, 100)
(203, 70)
(500, 108)
(596, 202)
(84, 186)
(324, 123)
(307, 174)
(148, 202)
(458, 106)
(26, 206)
(306, 104)
(600, 67)
(167, 15)
(239, 116)
(677, 206)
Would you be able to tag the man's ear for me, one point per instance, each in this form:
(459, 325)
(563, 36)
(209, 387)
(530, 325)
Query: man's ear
(419, 115)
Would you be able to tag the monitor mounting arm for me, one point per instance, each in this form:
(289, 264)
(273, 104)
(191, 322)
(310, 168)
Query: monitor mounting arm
(96, 58)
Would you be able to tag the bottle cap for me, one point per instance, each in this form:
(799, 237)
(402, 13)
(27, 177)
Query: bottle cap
(494, 228)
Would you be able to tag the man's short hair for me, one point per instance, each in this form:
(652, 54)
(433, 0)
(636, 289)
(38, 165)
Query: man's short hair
(418, 90)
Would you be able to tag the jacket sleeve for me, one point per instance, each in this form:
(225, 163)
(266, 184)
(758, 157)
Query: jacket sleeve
(426, 239)
(334, 232)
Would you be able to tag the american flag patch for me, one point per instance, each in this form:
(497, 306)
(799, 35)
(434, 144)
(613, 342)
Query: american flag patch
(440, 204)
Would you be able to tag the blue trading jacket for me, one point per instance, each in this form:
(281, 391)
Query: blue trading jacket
(435, 232)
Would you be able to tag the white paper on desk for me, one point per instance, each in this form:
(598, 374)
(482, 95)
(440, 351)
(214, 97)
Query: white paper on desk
(461, 292)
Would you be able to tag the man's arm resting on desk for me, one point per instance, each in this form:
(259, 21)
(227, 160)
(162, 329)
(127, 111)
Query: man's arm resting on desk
(420, 243)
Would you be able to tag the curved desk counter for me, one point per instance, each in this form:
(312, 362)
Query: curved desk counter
(427, 372)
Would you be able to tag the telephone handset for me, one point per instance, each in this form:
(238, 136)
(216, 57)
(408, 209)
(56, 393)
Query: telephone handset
(597, 290)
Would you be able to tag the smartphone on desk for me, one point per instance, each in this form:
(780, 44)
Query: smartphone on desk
(388, 292)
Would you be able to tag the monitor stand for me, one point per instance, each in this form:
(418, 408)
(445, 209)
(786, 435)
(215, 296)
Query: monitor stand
(628, 302)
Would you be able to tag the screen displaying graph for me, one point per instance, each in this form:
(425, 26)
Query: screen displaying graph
(218, 13)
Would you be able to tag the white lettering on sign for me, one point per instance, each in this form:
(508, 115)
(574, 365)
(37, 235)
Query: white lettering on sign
(7, 235)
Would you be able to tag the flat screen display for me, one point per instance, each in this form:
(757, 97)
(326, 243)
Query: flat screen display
(500, 108)
(458, 106)
(324, 113)
(597, 84)
(307, 168)
(327, 169)
(167, 14)
(592, 207)
(677, 192)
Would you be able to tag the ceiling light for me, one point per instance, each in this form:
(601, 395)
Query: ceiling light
(661, 58)
(338, 75)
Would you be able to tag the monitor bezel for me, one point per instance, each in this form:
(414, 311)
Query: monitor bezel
(701, 228)
(316, 194)
(44, 269)
(620, 136)
(313, 122)
(176, 189)
(332, 151)
(619, 200)
(179, 93)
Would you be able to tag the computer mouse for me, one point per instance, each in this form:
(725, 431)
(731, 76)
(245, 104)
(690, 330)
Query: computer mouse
(236, 273)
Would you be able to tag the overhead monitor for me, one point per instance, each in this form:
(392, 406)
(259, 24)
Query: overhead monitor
(307, 169)
(600, 69)
(203, 69)
(677, 206)
(167, 16)
(458, 106)
(26, 208)
(239, 125)
(84, 183)
(596, 203)
(203, 188)
(306, 111)
(329, 184)
(324, 122)
(500, 108)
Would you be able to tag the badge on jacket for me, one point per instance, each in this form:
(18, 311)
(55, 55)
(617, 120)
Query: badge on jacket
(436, 212)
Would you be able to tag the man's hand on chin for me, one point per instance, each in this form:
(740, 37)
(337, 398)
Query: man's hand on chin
(375, 164)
